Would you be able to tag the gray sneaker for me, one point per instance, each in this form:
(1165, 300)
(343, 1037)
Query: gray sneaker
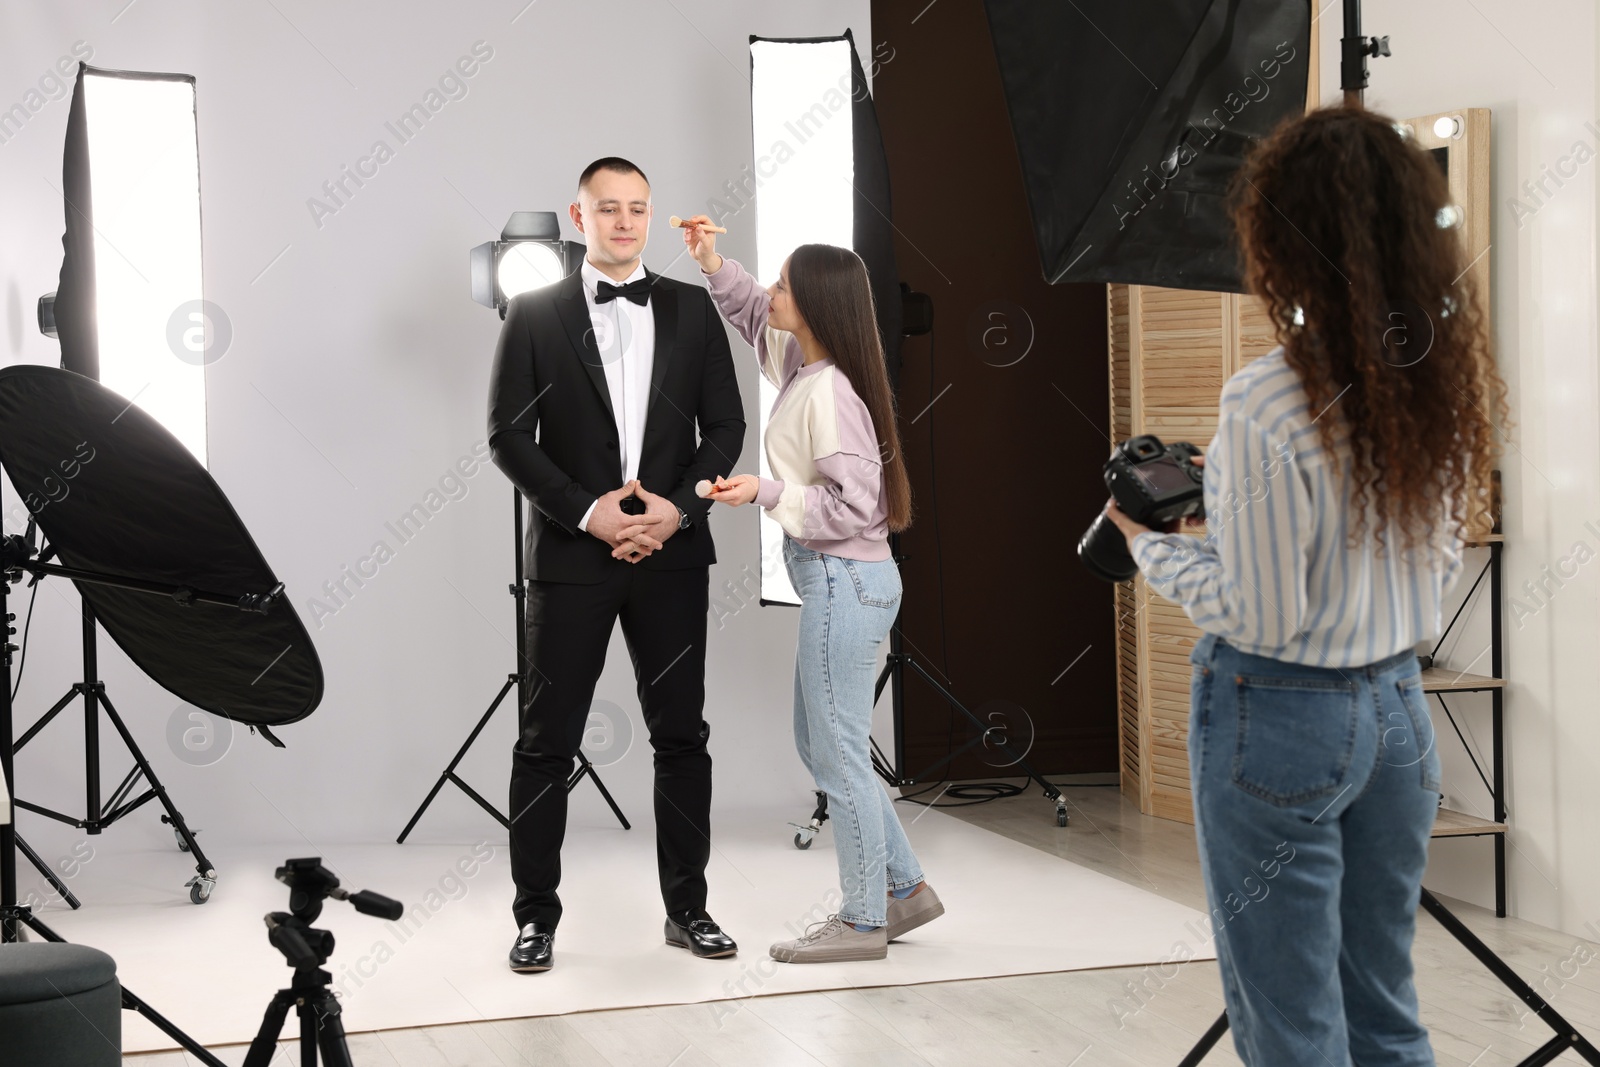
(905, 915)
(833, 941)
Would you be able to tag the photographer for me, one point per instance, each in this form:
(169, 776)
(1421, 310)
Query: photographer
(1345, 466)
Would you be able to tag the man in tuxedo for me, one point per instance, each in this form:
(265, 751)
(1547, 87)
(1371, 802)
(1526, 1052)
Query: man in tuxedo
(600, 383)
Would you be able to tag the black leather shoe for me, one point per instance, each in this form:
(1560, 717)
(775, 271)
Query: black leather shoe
(699, 933)
(535, 949)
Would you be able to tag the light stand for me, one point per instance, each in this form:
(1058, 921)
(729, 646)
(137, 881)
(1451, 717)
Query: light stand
(15, 558)
(917, 319)
(530, 253)
(893, 673)
(1566, 1035)
(519, 593)
(100, 815)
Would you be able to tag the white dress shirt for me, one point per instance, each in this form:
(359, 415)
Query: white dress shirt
(1275, 576)
(625, 334)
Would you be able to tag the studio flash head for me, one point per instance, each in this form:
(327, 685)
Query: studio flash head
(1153, 484)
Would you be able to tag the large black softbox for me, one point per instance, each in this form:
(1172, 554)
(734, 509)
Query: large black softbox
(1131, 119)
(116, 493)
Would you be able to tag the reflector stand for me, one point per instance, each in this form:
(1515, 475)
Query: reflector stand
(160, 560)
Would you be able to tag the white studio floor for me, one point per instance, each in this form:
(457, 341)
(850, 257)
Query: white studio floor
(1011, 909)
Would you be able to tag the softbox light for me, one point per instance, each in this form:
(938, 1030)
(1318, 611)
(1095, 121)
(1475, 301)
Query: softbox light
(1131, 119)
(130, 310)
(117, 493)
(823, 177)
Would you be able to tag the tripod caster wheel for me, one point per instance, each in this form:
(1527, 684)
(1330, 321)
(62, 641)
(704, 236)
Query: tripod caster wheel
(802, 841)
(1061, 816)
(200, 889)
(183, 846)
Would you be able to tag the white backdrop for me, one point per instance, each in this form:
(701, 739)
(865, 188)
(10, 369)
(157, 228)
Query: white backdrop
(358, 370)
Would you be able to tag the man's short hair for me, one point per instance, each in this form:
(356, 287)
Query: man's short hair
(611, 163)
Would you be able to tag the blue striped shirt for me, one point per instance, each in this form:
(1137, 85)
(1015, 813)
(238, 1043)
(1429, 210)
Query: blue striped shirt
(1273, 576)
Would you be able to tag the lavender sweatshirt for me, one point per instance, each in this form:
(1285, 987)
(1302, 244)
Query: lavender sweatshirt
(827, 485)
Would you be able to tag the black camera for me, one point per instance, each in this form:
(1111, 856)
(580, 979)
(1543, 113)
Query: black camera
(1153, 484)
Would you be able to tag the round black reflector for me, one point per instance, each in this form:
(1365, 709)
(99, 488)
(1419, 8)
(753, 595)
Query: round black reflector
(116, 493)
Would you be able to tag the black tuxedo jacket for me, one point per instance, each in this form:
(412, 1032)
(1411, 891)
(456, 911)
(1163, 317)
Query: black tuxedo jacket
(553, 433)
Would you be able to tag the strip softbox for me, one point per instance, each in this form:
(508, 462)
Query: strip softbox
(823, 177)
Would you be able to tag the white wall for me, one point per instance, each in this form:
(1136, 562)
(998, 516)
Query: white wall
(1534, 66)
(359, 370)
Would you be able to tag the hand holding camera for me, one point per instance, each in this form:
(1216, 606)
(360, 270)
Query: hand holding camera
(1153, 486)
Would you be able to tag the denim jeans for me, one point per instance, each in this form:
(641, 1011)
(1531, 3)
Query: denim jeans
(1315, 789)
(847, 607)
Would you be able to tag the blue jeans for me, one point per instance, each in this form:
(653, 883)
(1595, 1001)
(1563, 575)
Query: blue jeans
(1315, 789)
(847, 607)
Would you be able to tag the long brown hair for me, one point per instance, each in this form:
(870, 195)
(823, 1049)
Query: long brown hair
(1338, 216)
(834, 297)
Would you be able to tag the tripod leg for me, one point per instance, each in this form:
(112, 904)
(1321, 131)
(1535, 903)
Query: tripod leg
(50, 875)
(1567, 1035)
(588, 768)
(265, 1045)
(1049, 787)
(323, 1013)
(202, 865)
(193, 1047)
(449, 771)
(1208, 1040)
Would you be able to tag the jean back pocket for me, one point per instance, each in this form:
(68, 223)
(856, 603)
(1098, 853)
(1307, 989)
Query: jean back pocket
(1296, 737)
(877, 583)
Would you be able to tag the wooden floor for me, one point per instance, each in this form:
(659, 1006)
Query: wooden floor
(1126, 1017)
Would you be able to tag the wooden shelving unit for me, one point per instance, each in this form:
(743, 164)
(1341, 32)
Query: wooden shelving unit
(1442, 681)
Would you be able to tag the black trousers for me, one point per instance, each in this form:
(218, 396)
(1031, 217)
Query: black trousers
(663, 616)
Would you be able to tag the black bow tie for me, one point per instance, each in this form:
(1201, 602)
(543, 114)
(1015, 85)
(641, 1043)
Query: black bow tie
(638, 291)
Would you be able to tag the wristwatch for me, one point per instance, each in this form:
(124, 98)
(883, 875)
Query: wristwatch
(683, 518)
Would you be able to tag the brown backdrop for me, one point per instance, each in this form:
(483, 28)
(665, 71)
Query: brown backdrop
(1005, 464)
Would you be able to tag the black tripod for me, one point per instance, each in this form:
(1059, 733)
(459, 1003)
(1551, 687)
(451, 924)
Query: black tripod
(16, 556)
(893, 675)
(307, 949)
(102, 814)
(519, 593)
(1567, 1036)
(894, 672)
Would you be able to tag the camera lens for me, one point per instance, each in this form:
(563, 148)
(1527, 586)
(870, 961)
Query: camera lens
(1104, 551)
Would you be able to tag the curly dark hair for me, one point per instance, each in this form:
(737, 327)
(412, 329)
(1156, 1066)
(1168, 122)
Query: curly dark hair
(1338, 216)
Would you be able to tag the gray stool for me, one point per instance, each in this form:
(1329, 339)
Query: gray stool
(60, 1006)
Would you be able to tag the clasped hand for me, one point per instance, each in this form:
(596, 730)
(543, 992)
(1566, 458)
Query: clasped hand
(633, 537)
